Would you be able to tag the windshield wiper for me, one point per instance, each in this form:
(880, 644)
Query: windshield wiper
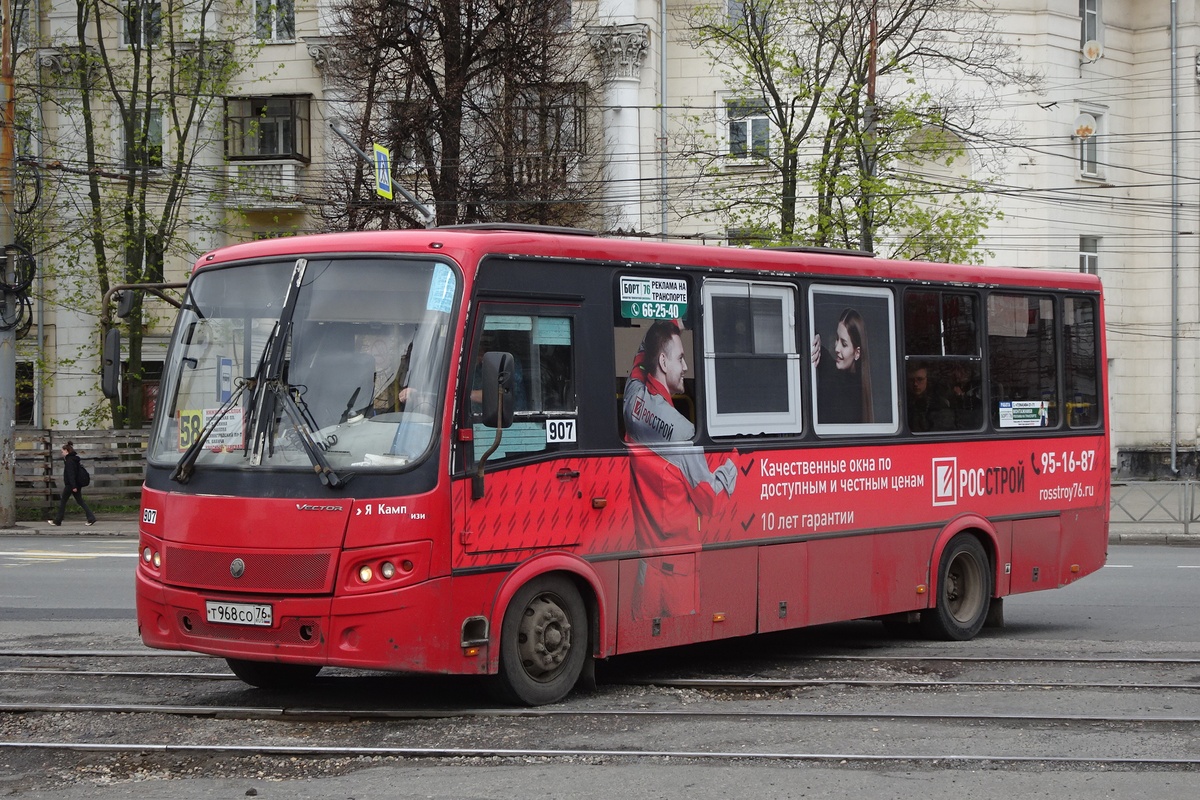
(270, 391)
(185, 467)
(314, 450)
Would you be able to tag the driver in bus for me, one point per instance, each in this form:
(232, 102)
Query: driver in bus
(671, 484)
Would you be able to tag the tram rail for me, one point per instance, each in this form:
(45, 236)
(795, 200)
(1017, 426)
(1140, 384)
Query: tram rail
(327, 751)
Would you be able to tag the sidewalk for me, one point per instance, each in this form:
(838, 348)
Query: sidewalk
(106, 525)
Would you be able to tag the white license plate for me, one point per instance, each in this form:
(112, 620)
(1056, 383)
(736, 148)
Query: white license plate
(239, 613)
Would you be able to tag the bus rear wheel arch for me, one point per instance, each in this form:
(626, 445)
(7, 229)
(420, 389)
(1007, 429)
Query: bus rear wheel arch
(544, 642)
(964, 591)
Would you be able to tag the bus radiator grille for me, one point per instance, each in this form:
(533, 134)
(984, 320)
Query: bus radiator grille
(295, 573)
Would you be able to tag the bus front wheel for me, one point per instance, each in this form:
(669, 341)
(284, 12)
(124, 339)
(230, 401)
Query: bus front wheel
(271, 674)
(543, 642)
(964, 591)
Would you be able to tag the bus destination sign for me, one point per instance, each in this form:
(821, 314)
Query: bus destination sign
(653, 298)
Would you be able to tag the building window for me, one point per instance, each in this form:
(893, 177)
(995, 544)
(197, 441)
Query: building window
(1089, 15)
(1089, 258)
(747, 13)
(749, 129)
(26, 396)
(142, 24)
(275, 20)
(547, 132)
(413, 137)
(1089, 151)
(261, 128)
(549, 118)
(560, 15)
(144, 150)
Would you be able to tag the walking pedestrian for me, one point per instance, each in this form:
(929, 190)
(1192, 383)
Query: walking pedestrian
(73, 483)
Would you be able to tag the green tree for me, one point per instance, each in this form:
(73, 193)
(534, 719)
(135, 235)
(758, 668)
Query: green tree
(863, 122)
(135, 86)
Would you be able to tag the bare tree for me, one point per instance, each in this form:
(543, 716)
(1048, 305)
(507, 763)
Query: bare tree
(483, 105)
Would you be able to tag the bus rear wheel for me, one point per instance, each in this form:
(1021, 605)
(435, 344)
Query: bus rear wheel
(964, 591)
(543, 643)
(271, 674)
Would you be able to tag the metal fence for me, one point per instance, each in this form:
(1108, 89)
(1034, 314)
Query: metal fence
(1163, 506)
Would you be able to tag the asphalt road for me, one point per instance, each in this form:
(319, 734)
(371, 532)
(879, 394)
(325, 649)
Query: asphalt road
(1144, 593)
(79, 588)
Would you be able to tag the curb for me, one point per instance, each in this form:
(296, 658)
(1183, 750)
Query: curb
(72, 526)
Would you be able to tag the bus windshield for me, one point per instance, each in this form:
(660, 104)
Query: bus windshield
(358, 360)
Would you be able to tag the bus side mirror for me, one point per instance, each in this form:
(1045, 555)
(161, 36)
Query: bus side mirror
(110, 374)
(497, 389)
(125, 303)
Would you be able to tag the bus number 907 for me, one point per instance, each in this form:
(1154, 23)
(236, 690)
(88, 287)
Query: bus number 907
(560, 430)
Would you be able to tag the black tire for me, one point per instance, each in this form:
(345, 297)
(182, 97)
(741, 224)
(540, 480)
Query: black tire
(543, 643)
(964, 592)
(273, 675)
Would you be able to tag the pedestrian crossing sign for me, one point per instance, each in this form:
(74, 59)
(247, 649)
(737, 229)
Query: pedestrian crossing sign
(383, 172)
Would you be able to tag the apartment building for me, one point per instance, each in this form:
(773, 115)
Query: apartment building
(1102, 174)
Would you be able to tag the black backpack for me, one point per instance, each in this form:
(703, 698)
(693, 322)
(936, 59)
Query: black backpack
(85, 478)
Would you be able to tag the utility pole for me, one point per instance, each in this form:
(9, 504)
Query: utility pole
(8, 338)
(865, 214)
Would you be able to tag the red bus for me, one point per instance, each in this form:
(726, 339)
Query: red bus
(512, 452)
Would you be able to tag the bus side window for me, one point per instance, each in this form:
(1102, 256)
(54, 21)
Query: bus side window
(1022, 361)
(1082, 370)
(943, 361)
(629, 342)
(543, 396)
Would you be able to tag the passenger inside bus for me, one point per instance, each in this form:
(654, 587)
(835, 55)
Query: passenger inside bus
(964, 396)
(391, 356)
(928, 407)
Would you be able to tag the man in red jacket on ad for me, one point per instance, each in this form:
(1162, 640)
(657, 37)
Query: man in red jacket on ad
(672, 486)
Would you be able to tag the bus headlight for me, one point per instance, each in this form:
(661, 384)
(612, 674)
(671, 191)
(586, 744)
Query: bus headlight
(386, 567)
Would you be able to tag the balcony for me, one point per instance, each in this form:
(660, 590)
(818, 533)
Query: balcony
(264, 185)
